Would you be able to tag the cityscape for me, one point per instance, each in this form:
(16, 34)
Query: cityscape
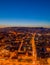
(24, 46)
(24, 32)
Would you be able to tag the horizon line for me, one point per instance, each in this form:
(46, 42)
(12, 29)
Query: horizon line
(4, 26)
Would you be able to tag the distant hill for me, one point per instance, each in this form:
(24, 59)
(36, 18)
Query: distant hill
(25, 29)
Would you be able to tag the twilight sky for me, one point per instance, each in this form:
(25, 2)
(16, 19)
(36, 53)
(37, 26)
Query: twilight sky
(25, 12)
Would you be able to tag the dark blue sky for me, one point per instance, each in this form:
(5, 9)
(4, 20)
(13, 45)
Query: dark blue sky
(25, 12)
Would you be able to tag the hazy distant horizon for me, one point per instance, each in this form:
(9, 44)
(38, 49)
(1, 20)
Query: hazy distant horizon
(3, 26)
